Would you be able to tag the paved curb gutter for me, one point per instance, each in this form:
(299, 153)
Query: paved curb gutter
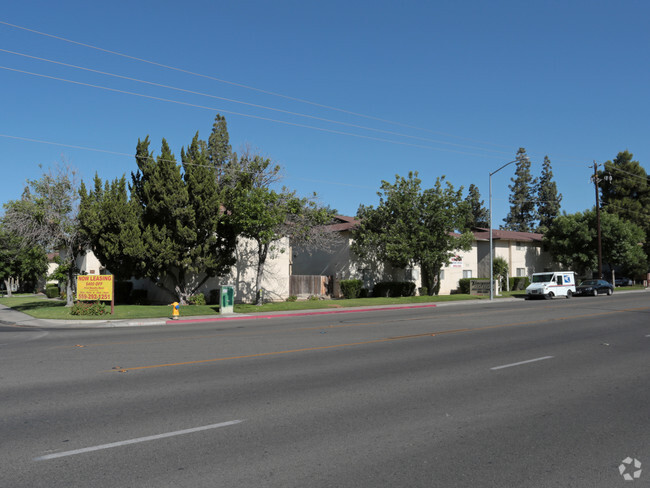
(298, 314)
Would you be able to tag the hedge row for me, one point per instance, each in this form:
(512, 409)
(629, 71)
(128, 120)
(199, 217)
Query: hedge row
(394, 289)
(516, 283)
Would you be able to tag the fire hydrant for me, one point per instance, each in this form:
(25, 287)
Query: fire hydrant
(176, 310)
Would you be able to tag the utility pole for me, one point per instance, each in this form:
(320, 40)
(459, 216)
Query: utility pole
(597, 180)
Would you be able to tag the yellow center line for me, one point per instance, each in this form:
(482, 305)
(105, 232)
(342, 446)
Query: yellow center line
(261, 354)
(376, 341)
(210, 336)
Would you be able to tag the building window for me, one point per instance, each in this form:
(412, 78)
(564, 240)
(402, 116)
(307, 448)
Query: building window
(467, 273)
(520, 246)
(521, 271)
(442, 274)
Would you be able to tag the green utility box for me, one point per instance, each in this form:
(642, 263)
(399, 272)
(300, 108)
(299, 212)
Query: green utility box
(226, 299)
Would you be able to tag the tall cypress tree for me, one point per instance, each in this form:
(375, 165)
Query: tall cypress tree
(478, 213)
(110, 222)
(219, 151)
(523, 215)
(548, 198)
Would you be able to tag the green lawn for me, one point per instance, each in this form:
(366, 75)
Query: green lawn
(43, 308)
(356, 302)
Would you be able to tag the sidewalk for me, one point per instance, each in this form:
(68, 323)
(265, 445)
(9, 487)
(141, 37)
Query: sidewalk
(11, 317)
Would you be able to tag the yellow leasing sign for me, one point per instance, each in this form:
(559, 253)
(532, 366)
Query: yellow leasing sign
(95, 287)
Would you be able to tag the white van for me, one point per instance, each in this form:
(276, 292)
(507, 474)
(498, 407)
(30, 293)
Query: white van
(552, 284)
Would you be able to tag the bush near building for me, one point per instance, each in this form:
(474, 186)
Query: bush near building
(351, 288)
(394, 289)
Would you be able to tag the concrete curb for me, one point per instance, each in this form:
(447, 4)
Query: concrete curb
(299, 313)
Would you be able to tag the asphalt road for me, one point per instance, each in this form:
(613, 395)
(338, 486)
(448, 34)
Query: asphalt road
(517, 394)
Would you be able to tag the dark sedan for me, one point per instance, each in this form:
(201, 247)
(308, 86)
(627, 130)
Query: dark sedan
(623, 282)
(594, 287)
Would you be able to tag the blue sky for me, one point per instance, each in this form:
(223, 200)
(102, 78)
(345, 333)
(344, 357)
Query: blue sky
(442, 88)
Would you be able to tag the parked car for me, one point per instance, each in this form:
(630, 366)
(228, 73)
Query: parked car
(594, 287)
(623, 282)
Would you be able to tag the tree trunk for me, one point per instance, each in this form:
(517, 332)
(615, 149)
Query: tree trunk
(70, 285)
(8, 284)
(262, 252)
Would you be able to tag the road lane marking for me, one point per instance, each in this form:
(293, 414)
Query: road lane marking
(218, 336)
(521, 362)
(137, 440)
(261, 354)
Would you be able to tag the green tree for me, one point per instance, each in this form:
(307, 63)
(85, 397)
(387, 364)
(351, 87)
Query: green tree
(413, 227)
(47, 215)
(626, 192)
(522, 215)
(110, 222)
(547, 197)
(20, 263)
(219, 151)
(186, 237)
(500, 271)
(478, 216)
(172, 230)
(266, 216)
(572, 242)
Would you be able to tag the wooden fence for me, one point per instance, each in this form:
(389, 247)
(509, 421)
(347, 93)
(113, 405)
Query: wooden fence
(309, 285)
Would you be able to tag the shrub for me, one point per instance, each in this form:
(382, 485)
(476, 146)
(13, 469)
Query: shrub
(314, 298)
(364, 293)
(351, 288)
(464, 284)
(52, 291)
(292, 298)
(89, 308)
(423, 291)
(394, 289)
(198, 299)
(123, 291)
(213, 297)
(139, 297)
(519, 283)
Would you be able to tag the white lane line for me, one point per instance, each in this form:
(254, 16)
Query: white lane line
(521, 362)
(135, 441)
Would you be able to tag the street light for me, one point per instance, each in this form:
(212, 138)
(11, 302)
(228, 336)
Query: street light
(490, 226)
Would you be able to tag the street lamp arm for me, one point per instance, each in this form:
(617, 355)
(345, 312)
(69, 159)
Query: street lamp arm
(507, 164)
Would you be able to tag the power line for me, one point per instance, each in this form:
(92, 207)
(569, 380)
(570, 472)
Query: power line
(160, 85)
(215, 109)
(613, 167)
(240, 85)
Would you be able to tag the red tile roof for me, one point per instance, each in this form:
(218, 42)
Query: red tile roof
(507, 235)
(343, 223)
